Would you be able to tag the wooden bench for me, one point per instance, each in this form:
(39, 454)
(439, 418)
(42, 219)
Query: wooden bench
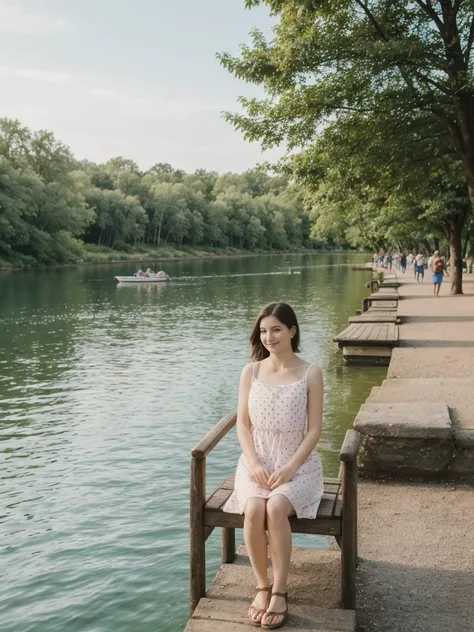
(387, 290)
(373, 285)
(337, 514)
(377, 334)
(376, 316)
(365, 342)
(379, 297)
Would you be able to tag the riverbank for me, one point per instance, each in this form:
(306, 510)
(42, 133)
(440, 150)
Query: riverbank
(102, 254)
(416, 540)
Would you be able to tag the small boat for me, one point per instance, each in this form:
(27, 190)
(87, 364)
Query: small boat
(135, 279)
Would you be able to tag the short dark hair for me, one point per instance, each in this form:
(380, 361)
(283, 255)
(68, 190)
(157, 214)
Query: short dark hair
(285, 314)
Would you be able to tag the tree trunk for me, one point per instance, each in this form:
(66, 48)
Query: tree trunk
(455, 252)
(159, 229)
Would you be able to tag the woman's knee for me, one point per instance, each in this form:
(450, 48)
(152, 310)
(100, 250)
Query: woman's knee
(254, 512)
(279, 509)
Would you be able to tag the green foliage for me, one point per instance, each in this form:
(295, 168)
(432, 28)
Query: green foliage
(375, 103)
(51, 205)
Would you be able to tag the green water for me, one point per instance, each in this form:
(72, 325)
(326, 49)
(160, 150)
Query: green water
(103, 392)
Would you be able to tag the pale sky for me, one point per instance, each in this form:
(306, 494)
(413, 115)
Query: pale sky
(132, 78)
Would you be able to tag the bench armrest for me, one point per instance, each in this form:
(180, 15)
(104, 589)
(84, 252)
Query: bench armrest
(350, 447)
(212, 438)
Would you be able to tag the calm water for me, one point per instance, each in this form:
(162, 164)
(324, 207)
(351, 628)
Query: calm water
(103, 392)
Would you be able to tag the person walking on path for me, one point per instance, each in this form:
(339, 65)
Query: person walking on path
(279, 473)
(403, 263)
(438, 272)
(420, 267)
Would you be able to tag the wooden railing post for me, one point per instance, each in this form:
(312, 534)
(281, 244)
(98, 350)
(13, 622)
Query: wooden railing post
(349, 535)
(197, 537)
(228, 545)
(348, 457)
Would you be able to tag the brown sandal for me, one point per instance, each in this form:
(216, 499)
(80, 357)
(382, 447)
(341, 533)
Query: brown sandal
(256, 611)
(284, 614)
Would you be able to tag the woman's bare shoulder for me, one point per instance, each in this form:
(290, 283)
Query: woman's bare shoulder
(315, 374)
(247, 372)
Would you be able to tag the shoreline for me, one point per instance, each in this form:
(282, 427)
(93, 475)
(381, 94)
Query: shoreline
(175, 255)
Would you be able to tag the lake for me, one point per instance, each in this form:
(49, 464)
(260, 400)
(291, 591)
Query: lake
(104, 390)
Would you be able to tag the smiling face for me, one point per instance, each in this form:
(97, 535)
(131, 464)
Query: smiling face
(275, 336)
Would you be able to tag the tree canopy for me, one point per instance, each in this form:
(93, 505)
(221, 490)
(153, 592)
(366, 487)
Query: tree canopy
(52, 204)
(372, 100)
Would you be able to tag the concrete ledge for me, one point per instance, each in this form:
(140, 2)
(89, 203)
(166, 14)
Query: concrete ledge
(405, 439)
(403, 457)
(409, 420)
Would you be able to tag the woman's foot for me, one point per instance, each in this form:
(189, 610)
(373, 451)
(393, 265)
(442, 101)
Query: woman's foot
(277, 611)
(259, 605)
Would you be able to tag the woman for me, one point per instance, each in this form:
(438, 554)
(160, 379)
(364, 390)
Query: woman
(279, 419)
(438, 272)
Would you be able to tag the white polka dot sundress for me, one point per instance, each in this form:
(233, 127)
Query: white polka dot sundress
(278, 423)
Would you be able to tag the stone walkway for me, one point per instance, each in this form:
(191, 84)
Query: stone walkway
(416, 540)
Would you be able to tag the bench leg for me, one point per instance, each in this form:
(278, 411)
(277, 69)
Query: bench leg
(228, 545)
(349, 537)
(197, 556)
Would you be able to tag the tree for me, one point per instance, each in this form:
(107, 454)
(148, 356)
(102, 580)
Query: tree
(332, 58)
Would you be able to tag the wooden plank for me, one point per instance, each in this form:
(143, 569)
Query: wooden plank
(376, 316)
(326, 506)
(338, 507)
(230, 614)
(330, 480)
(350, 447)
(374, 332)
(369, 334)
(212, 438)
(383, 296)
(384, 305)
(373, 351)
(228, 483)
(326, 525)
(218, 498)
(331, 488)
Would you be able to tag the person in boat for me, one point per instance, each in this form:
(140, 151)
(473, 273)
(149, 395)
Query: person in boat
(279, 473)
(139, 274)
(149, 273)
(161, 274)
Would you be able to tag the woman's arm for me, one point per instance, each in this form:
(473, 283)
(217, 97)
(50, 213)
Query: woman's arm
(258, 473)
(314, 426)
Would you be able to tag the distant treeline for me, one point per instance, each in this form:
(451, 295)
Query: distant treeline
(52, 205)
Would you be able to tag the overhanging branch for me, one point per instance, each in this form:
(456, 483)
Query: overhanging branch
(467, 52)
(428, 9)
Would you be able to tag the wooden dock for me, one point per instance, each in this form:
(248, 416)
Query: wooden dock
(376, 316)
(313, 596)
(368, 342)
(380, 297)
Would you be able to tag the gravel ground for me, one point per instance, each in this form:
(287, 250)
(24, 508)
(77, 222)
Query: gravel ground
(416, 549)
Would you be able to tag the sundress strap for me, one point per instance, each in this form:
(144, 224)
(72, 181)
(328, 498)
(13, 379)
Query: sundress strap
(307, 372)
(256, 366)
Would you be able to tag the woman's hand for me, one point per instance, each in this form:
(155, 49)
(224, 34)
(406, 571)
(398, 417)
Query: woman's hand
(259, 474)
(281, 476)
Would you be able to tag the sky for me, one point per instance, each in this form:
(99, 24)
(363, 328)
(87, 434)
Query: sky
(131, 78)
